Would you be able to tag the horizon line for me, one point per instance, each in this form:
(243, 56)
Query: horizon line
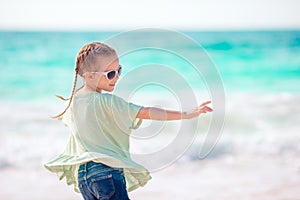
(266, 29)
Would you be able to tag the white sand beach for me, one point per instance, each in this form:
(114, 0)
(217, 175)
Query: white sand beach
(224, 178)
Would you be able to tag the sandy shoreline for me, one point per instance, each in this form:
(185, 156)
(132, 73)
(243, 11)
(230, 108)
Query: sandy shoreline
(267, 178)
(226, 178)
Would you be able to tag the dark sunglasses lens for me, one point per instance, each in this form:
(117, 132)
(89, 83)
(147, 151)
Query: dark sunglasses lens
(111, 75)
(119, 71)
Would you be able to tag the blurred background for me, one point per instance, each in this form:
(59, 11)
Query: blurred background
(254, 45)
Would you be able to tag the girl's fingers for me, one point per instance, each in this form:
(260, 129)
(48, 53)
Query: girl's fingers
(201, 109)
(205, 109)
(208, 109)
(205, 103)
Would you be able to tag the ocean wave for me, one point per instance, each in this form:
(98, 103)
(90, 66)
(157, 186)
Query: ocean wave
(256, 124)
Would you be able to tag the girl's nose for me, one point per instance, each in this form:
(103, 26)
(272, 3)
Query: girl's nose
(115, 79)
(117, 76)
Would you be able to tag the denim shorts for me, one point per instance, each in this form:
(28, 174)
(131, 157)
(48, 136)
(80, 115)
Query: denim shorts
(97, 181)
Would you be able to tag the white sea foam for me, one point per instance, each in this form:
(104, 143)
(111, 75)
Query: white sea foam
(255, 124)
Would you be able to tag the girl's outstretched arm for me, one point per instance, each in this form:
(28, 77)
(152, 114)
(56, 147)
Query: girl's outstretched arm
(161, 114)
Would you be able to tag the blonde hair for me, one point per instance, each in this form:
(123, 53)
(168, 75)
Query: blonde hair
(85, 61)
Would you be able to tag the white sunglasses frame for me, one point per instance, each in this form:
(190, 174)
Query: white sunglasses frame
(105, 73)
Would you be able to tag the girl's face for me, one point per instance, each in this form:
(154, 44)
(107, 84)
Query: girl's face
(99, 81)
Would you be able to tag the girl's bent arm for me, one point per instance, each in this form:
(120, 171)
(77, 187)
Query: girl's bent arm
(161, 114)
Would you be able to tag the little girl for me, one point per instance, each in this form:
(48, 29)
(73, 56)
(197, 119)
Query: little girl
(96, 159)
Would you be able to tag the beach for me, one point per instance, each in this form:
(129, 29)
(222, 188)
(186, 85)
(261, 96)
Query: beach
(256, 153)
(227, 178)
(252, 166)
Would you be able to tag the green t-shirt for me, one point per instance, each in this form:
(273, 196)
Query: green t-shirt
(100, 125)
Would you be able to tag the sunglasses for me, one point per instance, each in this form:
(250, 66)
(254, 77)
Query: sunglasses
(111, 74)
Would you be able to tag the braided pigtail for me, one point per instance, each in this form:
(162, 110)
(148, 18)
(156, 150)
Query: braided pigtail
(70, 99)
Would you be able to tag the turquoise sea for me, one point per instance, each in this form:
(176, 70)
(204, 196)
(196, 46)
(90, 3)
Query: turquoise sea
(260, 73)
(39, 64)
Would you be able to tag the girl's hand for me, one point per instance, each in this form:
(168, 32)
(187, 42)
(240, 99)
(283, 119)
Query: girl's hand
(198, 111)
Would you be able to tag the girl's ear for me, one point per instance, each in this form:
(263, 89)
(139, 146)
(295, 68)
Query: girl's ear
(88, 75)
